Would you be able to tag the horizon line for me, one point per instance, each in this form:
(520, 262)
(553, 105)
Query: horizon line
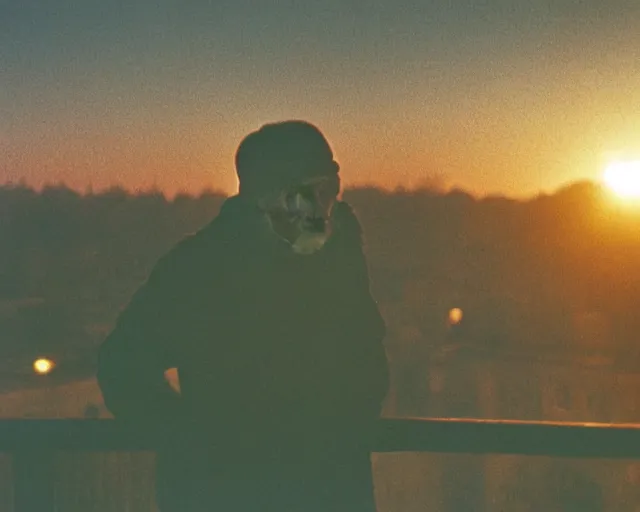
(432, 188)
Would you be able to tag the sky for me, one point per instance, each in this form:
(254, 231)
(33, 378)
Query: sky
(497, 96)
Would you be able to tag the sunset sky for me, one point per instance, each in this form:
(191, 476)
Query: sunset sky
(497, 96)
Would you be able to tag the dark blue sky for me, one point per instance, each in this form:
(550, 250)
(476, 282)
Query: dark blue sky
(509, 96)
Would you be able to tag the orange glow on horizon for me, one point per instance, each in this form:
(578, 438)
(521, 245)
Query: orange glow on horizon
(201, 157)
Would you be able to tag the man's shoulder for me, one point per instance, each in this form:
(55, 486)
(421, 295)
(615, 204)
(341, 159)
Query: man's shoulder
(199, 255)
(347, 224)
(345, 213)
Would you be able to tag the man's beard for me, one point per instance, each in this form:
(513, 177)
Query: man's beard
(309, 242)
(303, 216)
(303, 241)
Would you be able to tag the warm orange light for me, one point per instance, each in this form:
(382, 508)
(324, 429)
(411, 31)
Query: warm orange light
(623, 178)
(43, 366)
(455, 316)
(173, 378)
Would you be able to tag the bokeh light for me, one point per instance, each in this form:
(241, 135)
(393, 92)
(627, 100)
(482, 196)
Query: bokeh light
(455, 316)
(43, 366)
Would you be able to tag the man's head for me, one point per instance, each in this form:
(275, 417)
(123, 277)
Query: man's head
(288, 170)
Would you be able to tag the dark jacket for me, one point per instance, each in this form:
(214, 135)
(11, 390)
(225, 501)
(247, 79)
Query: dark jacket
(281, 365)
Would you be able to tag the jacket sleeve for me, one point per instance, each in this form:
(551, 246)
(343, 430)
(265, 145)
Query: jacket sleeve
(133, 359)
(374, 384)
(370, 381)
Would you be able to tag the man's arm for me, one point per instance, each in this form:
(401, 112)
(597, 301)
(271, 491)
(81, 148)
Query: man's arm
(134, 357)
(370, 380)
(374, 384)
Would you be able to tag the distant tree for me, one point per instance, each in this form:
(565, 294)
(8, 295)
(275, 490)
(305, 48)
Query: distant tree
(528, 271)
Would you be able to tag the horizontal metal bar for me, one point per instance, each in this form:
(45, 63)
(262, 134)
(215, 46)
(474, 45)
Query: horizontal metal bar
(586, 440)
(436, 435)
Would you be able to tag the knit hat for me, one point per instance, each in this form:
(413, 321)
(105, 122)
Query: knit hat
(279, 155)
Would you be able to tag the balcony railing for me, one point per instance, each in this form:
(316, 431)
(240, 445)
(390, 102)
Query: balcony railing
(34, 443)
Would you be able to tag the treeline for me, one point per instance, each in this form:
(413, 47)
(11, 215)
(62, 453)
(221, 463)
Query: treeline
(556, 272)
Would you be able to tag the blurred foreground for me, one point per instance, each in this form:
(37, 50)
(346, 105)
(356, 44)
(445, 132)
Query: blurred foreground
(405, 482)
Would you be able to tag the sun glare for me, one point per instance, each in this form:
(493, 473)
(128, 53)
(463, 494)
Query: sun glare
(623, 179)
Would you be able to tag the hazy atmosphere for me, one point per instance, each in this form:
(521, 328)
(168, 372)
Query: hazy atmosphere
(425, 300)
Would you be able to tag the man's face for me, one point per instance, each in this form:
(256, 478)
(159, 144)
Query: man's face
(302, 214)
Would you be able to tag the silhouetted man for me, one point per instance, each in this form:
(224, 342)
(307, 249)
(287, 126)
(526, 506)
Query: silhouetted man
(267, 315)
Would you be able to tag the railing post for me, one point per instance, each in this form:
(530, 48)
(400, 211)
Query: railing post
(33, 479)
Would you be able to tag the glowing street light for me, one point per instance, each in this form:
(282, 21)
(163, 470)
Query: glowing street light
(455, 316)
(43, 366)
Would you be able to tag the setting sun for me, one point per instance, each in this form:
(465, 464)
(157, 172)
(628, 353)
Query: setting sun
(623, 179)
